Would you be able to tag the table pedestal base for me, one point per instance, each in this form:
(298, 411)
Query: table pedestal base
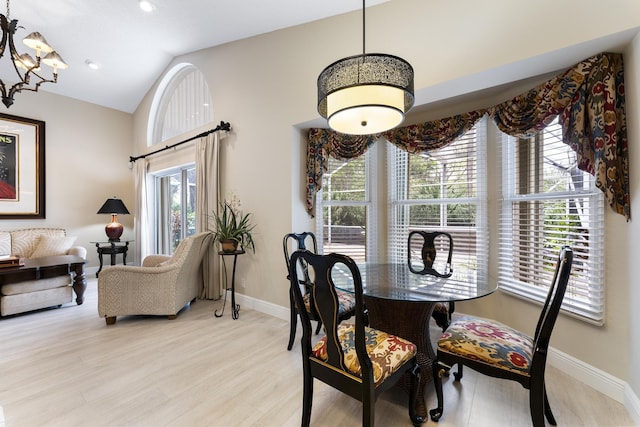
(408, 320)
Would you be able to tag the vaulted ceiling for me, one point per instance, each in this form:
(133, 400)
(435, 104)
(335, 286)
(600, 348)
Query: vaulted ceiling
(133, 47)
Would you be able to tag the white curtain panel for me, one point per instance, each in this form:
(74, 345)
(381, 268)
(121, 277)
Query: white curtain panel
(207, 199)
(141, 221)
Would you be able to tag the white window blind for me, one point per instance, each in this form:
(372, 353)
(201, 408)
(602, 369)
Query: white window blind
(346, 221)
(548, 203)
(185, 104)
(442, 190)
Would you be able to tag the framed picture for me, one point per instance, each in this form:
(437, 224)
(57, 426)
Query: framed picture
(22, 171)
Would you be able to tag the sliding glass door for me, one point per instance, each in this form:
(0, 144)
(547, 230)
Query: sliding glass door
(175, 207)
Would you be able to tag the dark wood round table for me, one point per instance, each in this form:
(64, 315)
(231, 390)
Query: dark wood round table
(401, 302)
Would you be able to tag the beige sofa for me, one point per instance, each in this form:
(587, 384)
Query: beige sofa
(35, 294)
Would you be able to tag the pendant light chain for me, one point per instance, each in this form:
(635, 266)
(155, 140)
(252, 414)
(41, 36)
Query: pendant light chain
(8, 10)
(363, 26)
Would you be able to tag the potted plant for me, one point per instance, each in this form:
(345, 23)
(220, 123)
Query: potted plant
(231, 228)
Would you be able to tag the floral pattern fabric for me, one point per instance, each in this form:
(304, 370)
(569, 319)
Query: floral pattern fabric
(346, 302)
(432, 135)
(488, 342)
(387, 352)
(325, 143)
(589, 98)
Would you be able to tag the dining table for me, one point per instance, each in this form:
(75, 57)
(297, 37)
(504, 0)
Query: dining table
(401, 302)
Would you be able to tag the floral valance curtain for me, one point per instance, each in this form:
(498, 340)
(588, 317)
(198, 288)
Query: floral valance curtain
(588, 98)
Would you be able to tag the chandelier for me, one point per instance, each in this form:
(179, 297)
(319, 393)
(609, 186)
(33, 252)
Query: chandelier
(365, 94)
(28, 70)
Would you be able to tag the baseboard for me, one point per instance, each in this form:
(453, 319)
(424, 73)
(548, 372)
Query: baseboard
(271, 309)
(632, 404)
(595, 378)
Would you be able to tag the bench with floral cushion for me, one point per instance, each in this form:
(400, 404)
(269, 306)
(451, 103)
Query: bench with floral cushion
(41, 293)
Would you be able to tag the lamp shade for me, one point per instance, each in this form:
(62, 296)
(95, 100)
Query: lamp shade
(54, 60)
(365, 94)
(36, 41)
(113, 206)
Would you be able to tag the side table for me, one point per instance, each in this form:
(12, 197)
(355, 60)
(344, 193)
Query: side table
(112, 248)
(234, 307)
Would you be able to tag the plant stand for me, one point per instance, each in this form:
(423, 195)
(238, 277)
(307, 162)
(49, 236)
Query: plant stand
(235, 308)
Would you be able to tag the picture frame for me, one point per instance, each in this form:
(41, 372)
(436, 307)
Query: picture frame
(22, 168)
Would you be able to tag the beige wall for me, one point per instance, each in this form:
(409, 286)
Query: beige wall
(629, 247)
(265, 87)
(86, 159)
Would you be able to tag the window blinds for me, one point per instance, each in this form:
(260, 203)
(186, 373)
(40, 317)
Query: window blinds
(548, 203)
(441, 190)
(345, 219)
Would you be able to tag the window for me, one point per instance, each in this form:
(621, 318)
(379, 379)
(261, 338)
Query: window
(441, 190)
(345, 217)
(182, 103)
(547, 203)
(176, 206)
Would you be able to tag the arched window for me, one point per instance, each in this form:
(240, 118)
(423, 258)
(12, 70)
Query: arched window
(182, 103)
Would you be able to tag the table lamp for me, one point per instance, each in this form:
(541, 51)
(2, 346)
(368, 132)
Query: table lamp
(113, 206)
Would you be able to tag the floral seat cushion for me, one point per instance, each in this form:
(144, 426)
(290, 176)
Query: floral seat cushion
(345, 299)
(488, 342)
(387, 352)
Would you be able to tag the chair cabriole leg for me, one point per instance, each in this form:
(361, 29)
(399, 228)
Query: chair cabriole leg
(547, 409)
(368, 408)
(536, 403)
(458, 375)
(294, 321)
(413, 394)
(307, 399)
(438, 371)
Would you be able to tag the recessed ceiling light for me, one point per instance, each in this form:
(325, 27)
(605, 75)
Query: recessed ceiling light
(92, 64)
(146, 5)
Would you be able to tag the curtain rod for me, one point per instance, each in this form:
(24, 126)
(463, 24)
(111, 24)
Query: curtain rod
(221, 126)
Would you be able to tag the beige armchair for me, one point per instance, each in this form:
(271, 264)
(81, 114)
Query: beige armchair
(163, 285)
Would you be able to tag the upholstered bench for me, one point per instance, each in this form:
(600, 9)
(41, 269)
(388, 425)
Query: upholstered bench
(18, 297)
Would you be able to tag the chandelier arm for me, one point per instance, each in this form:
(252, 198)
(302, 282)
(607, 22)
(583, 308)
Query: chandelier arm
(25, 62)
(3, 89)
(31, 89)
(4, 24)
(14, 54)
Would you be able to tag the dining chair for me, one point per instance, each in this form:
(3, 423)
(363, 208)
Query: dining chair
(496, 350)
(430, 262)
(361, 362)
(307, 241)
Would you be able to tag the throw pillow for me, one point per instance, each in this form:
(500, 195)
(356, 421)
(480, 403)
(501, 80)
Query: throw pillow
(52, 246)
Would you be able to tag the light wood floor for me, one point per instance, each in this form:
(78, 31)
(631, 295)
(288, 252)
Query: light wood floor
(65, 367)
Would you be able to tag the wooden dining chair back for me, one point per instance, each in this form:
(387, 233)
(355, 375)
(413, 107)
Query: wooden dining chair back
(436, 252)
(307, 241)
(353, 358)
(496, 350)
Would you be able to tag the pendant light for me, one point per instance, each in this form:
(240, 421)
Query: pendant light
(365, 94)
